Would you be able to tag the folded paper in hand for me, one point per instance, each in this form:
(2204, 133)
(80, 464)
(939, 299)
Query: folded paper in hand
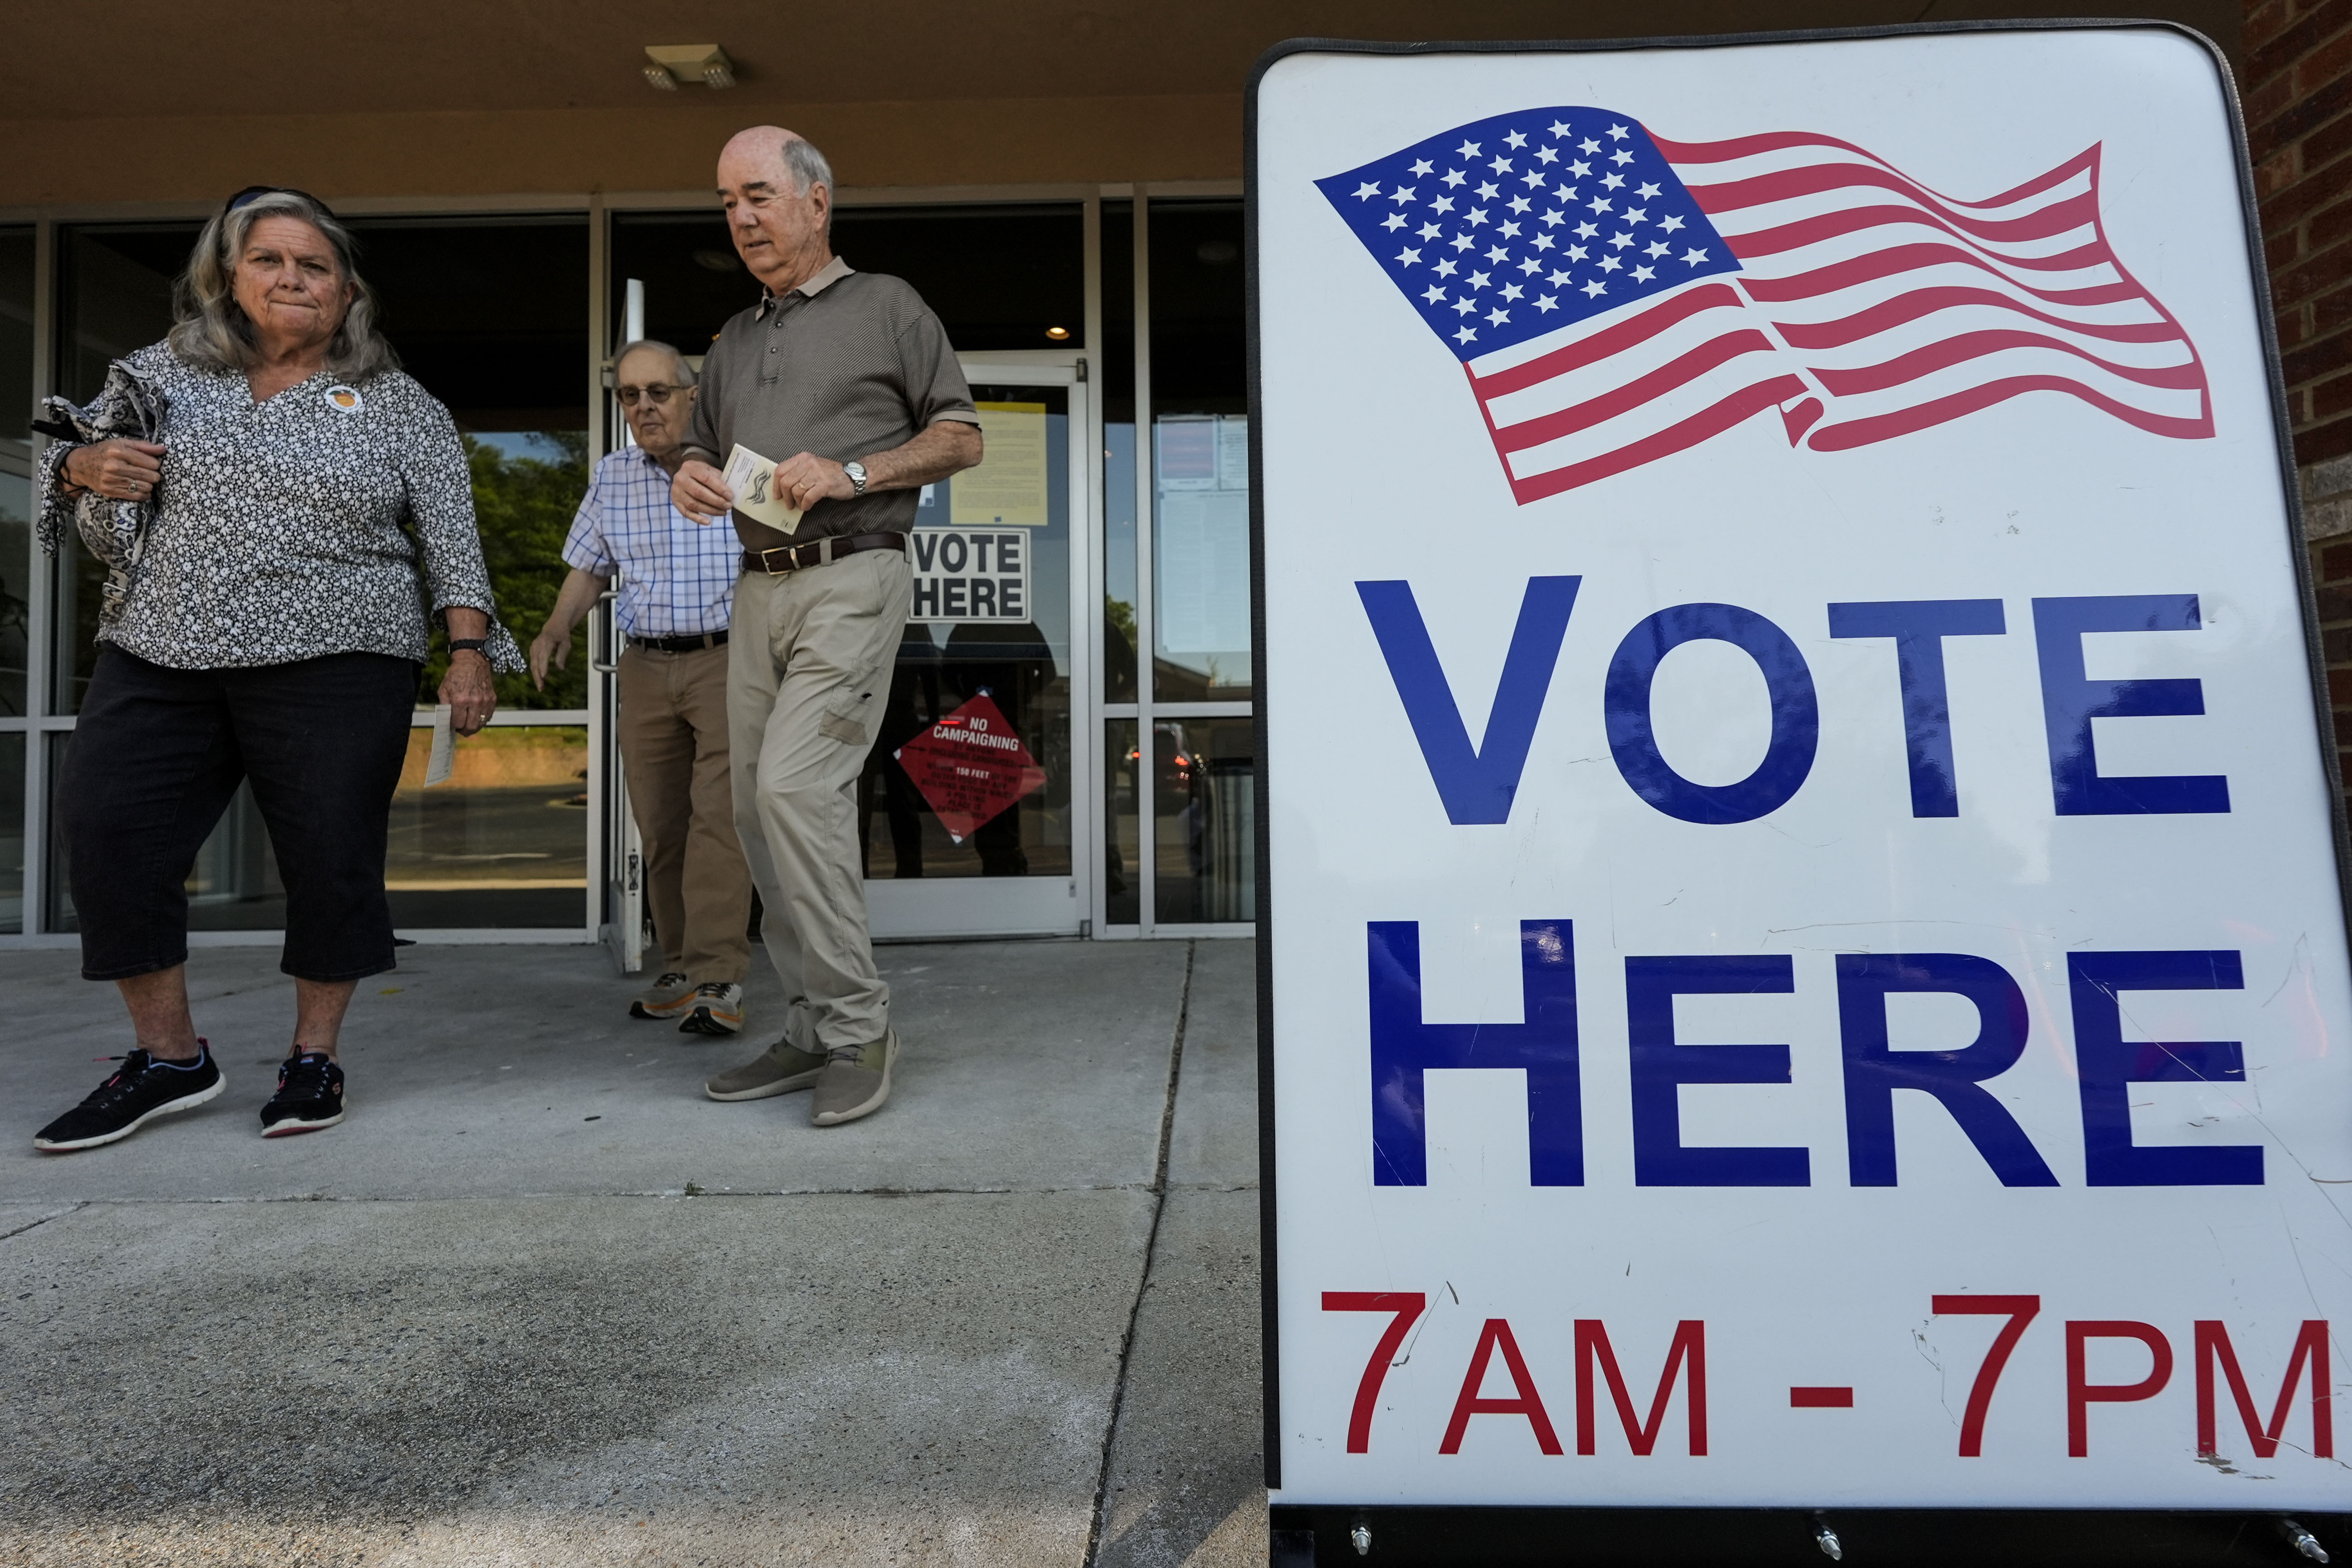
(752, 478)
(443, 756)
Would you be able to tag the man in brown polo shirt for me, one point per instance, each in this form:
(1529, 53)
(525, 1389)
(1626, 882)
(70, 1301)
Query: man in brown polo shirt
(846, 381)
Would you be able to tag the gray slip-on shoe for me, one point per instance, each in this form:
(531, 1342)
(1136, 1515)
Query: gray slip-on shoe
(855, 1082)
(780, 1070)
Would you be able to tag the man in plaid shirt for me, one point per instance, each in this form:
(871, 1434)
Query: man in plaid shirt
(677, 586)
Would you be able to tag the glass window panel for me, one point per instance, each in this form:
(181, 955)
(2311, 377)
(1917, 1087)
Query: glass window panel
(1119, 595)
(57, 876)
(1199, 401)
(503, 842)
(12, 831)
(234, 884)
(954, 658)
(17, 340)
(1122, 845)
(114, 297)
(1118, 392)
(16, 583)
(491, 316)
(998, 277)
(15, 463)
(1205, 810)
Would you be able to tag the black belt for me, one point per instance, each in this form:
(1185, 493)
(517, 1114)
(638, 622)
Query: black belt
(818, 552)
(681, 645)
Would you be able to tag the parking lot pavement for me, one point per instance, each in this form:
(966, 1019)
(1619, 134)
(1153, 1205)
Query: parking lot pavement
(474, 1326)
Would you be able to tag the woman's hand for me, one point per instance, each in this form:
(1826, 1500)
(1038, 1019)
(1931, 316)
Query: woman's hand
(467, 690)
(118, 469)
(467, 686)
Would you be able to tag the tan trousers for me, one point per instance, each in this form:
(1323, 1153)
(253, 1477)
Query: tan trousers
(810, 663)
(673, 729)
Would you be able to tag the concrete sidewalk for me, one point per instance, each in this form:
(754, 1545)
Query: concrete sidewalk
(539, 1301)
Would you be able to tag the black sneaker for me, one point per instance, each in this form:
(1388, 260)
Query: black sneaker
(141, 1090)
(309, 1096)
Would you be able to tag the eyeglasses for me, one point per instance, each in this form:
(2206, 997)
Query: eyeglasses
(252, 194)
(657, 392)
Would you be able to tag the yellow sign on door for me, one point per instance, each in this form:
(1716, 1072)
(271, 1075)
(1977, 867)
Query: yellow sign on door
(1008, 490)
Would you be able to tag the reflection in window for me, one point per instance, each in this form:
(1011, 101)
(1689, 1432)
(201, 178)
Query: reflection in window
(993, 537)
(489, 314)
(1204, 834)
(527, 488)
(16, 466)
(503, 842)
(1201, 563)
(1119, 595)
(1200, 401)
(998, 277)
(1122, 808)
(114, 297)
(12, 833)
(15, 582)
(1117, 358)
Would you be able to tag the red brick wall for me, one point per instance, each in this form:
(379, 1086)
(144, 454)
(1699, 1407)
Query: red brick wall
(2297, 82)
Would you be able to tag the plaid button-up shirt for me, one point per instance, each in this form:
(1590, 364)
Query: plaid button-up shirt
(677, 577)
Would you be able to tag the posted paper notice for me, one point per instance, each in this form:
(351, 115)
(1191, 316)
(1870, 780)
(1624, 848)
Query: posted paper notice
(1009, 489)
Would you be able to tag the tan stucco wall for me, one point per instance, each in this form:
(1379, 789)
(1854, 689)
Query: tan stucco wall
(184, 102)
(453, 98)
(666, 147)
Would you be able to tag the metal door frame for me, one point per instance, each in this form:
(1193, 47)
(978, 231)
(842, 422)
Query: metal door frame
(949, 907)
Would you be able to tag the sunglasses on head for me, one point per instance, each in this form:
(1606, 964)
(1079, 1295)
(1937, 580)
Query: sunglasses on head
(252, 194)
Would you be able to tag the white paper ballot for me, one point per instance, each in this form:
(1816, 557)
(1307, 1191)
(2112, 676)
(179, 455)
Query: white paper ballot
(749, 475)
(445, 749)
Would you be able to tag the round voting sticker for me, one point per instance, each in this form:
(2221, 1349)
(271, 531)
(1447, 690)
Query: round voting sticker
(346, 399)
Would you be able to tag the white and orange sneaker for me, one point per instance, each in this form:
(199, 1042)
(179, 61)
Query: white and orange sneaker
(666, 998)
(714, 1009)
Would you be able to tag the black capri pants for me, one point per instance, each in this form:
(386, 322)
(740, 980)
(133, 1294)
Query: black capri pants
(154, 761)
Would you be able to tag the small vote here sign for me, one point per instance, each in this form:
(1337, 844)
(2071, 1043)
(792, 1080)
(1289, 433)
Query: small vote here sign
(970, 574)
(1821, 979)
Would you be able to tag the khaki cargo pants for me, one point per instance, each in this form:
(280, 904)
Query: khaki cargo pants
(809, 661)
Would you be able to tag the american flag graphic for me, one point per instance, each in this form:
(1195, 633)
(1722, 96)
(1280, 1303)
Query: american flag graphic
(1616, 298)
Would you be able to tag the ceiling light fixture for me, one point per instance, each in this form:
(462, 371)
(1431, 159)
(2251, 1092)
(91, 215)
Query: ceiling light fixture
(672, 63)
(1057, 333)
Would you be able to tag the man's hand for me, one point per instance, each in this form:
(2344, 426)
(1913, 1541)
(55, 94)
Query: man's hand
(804, 479)
(700, 491)
(578, 595)
(119, 470)
(545, 648)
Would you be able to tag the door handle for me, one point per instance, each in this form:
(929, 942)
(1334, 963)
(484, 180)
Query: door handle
(599, 621)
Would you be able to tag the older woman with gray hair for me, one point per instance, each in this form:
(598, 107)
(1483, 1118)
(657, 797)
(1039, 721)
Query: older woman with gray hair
(297, 514)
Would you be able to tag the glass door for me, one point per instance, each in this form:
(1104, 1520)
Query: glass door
(975, 795)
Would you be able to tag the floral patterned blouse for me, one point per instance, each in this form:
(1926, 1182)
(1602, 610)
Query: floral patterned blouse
(278, 533)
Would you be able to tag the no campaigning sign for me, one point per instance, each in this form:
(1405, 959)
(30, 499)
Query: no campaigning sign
(1840, 994)
(970, 766)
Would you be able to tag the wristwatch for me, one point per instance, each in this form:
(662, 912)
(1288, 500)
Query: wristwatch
(469, 645)
(857, 472)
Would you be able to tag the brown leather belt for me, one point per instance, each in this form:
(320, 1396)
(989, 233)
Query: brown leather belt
(788, 558)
